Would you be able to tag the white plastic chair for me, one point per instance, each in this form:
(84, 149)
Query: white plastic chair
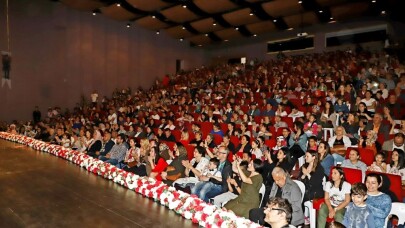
(262, 191)
(325, 133)
(397, 209)
(302, 188)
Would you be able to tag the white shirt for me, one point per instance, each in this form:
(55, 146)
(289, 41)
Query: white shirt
(336, 196)
(396, 171)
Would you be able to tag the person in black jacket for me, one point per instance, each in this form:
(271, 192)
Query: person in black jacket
(226, 170)
(311, 175)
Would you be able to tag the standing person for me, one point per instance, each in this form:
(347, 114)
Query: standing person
(378, 202)
(278, 213)
(358, 214)
(337, 197)
(36, 115)
(249, 196)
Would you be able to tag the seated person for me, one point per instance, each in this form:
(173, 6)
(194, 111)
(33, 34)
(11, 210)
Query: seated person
(279, 213)
(208, 179)
(287, 189)
(354, 161)
(338, 144)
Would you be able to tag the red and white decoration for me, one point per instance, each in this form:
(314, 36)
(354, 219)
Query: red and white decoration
(188, 206)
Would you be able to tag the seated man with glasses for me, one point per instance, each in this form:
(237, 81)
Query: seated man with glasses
(278, 213)
(287, 189)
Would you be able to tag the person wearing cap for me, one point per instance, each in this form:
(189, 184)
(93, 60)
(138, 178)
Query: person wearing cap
(253, 111)
(396, 143)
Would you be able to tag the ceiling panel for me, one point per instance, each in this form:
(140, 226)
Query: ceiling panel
(151, 23)
(200, 39)
(179, 14)
(349, 10)
(282, 7)
(228, 34)
(240, 17)
(85, 5)
(215, 6)
(148, 5)
(117, 13)
(261, 27)
(306, 19)
(206, 25)
(178, 32)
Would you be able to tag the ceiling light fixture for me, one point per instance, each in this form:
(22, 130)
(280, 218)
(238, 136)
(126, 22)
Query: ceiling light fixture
(236, 28)
(128, 25)
(214, 24)
(184, 6)
(383, 12)
(320, 11)
(254, 35)
(181, 39)
(275, 20)
(300, 2)
(157, 32)
(331, 18)
(94, 13)
(206, 34)
(118, 4)
(184, 28)
(153, 16)
(373, 1)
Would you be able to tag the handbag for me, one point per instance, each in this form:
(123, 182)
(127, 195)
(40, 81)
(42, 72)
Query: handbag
(174, 176)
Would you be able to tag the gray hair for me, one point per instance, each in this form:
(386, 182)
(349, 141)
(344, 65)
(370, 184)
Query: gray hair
(278, 171)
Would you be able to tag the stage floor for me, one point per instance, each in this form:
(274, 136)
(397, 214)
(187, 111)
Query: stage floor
(40, 190)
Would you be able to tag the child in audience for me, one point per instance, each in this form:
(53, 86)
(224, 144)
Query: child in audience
(209, 177)
(379, 164)
(357, 213)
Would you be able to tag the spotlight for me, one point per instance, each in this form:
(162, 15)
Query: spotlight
(214, 24)
(94, 13)
(153, 16)
(184, 6)
(184, 28)
(320, 11)
(128, 25)
(206, 34)
(300, 2)
(254, 35)
(383, 12)
(118, 4)
(157, 32)
(275, 20)
(236, 28)
(181, 39)
(373, 1)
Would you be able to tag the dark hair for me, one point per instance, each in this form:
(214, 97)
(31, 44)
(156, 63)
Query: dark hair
(215, 161)
(382, 155)
(287, 153)
(401, 158)
(376, 176)
(283, 205)
(359, 189)
(327, 148)
(244, 164)
(258, 165)
(248, 153)
(200, 150)
(341, 173)
(299, 125)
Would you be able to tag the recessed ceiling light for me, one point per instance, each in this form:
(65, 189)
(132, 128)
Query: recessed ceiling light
(200, 45)
(118, 4)
(206, 34)
(299, 2)
(153, 16)
(254, 34)
(331, 18)
(183, 28)
(181, 39)
(236, 28)
(157, 32)
(290, 29)
(184, 6)
(128, 25)
(383, 12)
(251, 14)
(226, 40)
(373, 1)
(214, 24)
(275, 20)
(320, 11)
(94, 13)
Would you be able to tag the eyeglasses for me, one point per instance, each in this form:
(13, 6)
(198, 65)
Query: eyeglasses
(274, 209)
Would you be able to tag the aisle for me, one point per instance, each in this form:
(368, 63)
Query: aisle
(41, 190)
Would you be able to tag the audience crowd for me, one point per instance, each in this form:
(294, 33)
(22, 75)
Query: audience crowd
(245, 137)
